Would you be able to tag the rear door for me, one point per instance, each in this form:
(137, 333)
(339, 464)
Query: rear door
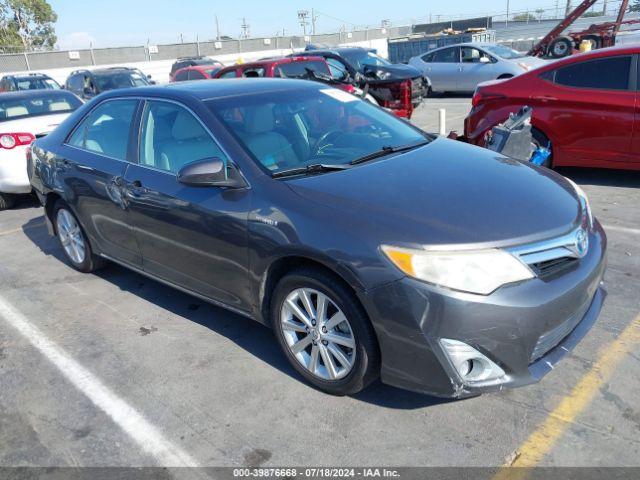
(588, 110)
(635, 145)
(193, 237)
(443, 69)
(91, 166)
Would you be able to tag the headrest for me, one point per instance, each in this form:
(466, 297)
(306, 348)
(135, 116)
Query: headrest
(16, 111)
(186, 127)
(260, 119)
(58, 106)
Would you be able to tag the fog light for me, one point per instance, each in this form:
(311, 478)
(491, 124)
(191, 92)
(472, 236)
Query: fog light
(471, 365)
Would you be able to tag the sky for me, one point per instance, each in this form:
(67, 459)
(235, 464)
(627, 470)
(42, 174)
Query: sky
(108, 23)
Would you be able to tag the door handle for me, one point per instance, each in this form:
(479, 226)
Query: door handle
(136, 189)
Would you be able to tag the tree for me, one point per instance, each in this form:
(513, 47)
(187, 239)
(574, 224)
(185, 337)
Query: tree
(635, 6)
(28, 23)
(524, 17)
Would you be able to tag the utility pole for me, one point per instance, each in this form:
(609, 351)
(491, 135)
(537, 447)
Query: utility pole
(568, 9)
(245, 28)
(302, 18)
(506, 22)
(557, 8)
(604, 8)
(217, 29)
(314, 18)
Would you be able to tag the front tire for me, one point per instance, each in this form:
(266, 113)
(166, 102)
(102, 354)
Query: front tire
(7, 201)
(73, 240)
(324, 332)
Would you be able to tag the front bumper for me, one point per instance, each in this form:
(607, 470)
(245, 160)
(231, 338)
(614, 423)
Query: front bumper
(410, 318)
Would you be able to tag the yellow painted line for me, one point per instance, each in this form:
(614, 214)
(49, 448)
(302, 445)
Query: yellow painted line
(542, 441)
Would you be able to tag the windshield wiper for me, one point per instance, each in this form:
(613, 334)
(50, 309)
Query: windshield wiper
(310, 169)
(386, 150)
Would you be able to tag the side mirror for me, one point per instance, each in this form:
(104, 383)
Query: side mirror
(211, 172)
(485, 60)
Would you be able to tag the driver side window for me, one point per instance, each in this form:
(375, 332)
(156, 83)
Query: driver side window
(172, 137)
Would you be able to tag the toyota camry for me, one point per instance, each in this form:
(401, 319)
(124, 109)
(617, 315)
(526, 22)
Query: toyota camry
(371, 248)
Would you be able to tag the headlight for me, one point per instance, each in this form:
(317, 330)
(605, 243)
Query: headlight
(584, 203)
(474, 271)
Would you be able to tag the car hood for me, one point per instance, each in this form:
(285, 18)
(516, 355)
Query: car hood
(447, 192)
(37, 125)
(395, 72)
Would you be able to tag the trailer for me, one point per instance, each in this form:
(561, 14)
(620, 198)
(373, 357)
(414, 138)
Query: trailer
(402, 49)
(600, 35)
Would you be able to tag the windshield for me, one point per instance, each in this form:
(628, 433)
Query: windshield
(36, 83)
(361, 58)
(503, 52)
(297, 128)
(114, 80)
(44, 104)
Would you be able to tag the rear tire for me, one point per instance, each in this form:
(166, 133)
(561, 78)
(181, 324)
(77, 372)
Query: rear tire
(561, 47)
(7, 201)
(73, 240)
(308, 344)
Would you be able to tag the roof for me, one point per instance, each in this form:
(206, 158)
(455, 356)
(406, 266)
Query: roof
(28, 75)
(39, 93)
(211, 89)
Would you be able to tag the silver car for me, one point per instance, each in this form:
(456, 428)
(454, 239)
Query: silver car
(460, 68)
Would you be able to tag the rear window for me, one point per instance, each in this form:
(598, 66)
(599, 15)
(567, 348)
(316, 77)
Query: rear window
(15, 108)
(301, 69)
(36, 83)
(602, 74)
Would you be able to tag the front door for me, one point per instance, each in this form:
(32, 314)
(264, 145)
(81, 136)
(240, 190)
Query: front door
(93, 163)
(475, 67)
(194, 237)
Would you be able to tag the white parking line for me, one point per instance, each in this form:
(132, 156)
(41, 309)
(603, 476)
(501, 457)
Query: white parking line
(148, 437)
(615, 228)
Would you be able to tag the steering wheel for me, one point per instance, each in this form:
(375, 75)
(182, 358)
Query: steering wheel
(326, 139)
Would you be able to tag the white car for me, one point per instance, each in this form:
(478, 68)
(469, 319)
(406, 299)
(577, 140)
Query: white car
(24, 116)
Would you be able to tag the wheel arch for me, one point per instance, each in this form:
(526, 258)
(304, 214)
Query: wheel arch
(296, 261)
(51, 199)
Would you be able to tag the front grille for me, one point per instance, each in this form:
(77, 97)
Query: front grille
(553, 337)
(551, 268)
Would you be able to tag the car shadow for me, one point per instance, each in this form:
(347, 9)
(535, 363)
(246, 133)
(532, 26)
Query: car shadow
(26, 201)
(451, 95)
(602, 177)
(248, 334)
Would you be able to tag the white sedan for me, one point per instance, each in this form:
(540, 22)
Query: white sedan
(24, 116)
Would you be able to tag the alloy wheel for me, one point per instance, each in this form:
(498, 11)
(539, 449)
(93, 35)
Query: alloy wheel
(318, 334)
(70, 236)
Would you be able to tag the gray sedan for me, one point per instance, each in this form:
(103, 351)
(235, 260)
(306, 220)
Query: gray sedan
(460, 68)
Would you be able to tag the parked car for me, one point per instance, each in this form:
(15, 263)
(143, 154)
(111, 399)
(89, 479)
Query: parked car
(24, 116)
(303, 68)
(183, 62)
(461, 68)
(196, 72)
(30, 81)
(399, 88)
(370, 247)
(89, 83)
(585, 108)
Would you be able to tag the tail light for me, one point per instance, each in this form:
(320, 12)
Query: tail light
(480, 96)
(12, 140)
(400, 100)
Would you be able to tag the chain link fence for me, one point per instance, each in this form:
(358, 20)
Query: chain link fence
(12, 59)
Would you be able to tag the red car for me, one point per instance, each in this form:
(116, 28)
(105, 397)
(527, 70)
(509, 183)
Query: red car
(196, 72)
(585, 107)
(292, 67)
